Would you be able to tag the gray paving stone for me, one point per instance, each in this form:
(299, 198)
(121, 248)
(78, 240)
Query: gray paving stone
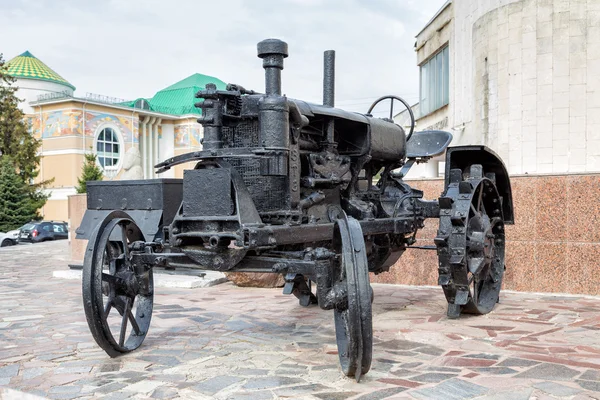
(548, 371)
(271, 382)
(398, 344)
(238, 325)
(118, 396)
(73, 370)
(216, 384)
(30, 373)
(496, 370)
(111, 387)
(484, 356)
(556, 389)
(403, 372)
(164, 392)
(517, 362)
(591, 375)
(63, 396)
(293, 366)
(381, 394)
(162, 360)
(411, 365)
(430, 350)
(589, 385)
(334, 395)
(453, 389)
(9, 371)
(513, 394)
(444, 369)
(386, 361)
(295, 391)
(402, 353)
(286, 372)
(65, 389)
(109, 368)
(432, 377)
(166, 352)
(254, 395)
(177, 378)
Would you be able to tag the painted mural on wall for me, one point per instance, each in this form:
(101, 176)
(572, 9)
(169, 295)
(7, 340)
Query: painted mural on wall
(188, 135)
(69, 122)
(56, 123)
(129, 131)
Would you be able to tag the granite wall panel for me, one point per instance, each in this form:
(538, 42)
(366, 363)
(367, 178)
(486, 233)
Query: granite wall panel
(553, 247)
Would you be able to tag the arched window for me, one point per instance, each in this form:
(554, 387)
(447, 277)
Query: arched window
(108, 149)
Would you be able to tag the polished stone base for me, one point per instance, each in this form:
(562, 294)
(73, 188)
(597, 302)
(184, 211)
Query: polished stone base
(554, 245)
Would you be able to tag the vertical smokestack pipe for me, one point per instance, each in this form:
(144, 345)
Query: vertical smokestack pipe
(272, 52)
(273, 110)
(329, 78)
(329, 94)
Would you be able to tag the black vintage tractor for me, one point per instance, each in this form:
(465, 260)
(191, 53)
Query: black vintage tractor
(289, 187)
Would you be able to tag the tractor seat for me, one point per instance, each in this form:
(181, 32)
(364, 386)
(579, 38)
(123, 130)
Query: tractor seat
(426, 144)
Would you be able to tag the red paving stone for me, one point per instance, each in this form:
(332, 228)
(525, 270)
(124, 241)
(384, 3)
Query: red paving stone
(493, 328)
(453, 353)
(400, 382)
(557, 360)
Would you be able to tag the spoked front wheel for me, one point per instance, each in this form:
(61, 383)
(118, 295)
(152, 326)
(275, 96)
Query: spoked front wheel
(117, 297)
(353, 317)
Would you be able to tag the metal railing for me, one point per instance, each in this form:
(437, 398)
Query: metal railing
(54, 96)
(100, 98)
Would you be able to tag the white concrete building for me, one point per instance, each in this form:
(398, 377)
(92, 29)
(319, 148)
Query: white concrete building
(520, 76)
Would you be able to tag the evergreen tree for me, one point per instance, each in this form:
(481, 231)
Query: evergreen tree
(91, 172)
(15, 138)
(17, 141)
(16, 206)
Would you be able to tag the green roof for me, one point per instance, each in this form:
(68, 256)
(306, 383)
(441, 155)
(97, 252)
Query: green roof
(179, 98)
(28, 66)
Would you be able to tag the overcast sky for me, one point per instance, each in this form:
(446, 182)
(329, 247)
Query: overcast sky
(133, 48)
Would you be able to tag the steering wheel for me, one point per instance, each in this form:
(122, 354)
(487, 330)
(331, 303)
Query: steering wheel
(401, 100)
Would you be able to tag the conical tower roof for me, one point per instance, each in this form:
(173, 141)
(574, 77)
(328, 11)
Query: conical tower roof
(27, 66)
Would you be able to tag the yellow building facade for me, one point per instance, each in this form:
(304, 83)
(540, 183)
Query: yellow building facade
(70, 126)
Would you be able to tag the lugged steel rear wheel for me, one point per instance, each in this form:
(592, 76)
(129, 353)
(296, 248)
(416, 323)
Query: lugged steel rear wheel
(117, 296)
(353, 319)
(470, 242)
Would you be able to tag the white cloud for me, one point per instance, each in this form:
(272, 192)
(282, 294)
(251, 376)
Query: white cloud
(133, 48)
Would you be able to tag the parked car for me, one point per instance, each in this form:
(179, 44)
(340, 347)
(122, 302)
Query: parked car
(41, 231)
(14, 234)
(6, 240)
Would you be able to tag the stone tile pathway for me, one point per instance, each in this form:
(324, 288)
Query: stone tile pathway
(225, 342)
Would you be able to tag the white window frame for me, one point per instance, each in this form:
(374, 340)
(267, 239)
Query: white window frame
(434, 88)
(112, 171)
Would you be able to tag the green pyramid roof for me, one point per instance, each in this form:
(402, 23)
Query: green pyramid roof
(179, 98)
(28, 66)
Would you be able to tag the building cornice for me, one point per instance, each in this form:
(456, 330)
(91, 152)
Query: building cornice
(437, 14)
(41, 103)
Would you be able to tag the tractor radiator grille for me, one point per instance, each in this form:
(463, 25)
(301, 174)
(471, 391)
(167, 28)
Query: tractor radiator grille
(268, 192)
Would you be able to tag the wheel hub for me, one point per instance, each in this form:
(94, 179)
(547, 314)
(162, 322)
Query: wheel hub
(127, 283)
(481, 243)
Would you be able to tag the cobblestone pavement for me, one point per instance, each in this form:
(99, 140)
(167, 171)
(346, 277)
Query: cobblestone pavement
(226, 342)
